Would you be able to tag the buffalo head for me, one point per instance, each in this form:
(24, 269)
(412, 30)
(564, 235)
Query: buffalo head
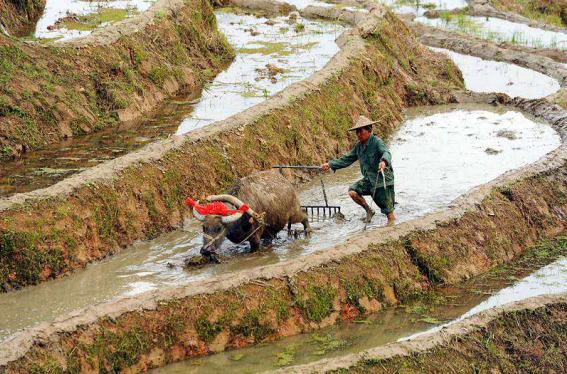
(216, 227)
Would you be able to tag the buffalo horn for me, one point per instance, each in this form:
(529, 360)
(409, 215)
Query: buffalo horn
(231, 218)
(198, 215)
(232, 200)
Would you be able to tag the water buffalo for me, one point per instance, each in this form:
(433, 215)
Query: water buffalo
(273, 202)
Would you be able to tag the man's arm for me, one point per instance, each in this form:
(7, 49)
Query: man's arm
(386, 158)
(343, 162)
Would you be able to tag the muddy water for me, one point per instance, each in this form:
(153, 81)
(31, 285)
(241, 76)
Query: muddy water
(438, 155)
(272, 54)
(293, 55)
(445, 306)
(500, 30)
(57, 9)
(492, 76)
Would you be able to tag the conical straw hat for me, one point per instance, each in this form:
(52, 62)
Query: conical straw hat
(362, 122)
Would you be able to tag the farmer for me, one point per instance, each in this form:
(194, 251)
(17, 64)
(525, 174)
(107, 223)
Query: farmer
(375, 162)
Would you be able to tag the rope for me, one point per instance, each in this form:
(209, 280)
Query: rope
(253, 232)
(374, 193)
(259, 218)
(212, 239)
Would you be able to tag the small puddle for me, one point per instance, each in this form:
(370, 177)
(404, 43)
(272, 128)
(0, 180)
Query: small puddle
(439, 154)
(293, 48)
(499, 30)
(80, 17)
(449, 305)
(493, 76)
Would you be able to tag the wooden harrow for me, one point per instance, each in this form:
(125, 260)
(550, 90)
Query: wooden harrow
(330, 209)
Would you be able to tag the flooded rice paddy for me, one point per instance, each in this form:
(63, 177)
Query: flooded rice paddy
(302, 4)
(439, 154)
(549, 280)
(444, 306)
(418, 7)
(499, 30)
(80, 17)
(493, 76)
(271, 55)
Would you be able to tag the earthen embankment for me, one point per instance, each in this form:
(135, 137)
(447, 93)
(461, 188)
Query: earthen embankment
(18, 17)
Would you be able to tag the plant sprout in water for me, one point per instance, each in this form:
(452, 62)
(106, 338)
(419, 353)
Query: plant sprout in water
(498, 30)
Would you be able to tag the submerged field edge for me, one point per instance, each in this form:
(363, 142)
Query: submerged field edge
(499, 338)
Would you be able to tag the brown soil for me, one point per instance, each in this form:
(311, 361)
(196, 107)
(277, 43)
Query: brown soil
(43, 235)
(20, 16)
(54, 91)
(60, 23)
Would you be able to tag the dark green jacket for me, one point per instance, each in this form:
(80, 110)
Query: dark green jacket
(369, 155)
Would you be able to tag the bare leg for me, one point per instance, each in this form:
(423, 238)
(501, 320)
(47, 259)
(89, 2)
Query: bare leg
(359, 200)
(289, 228)
(362, 202)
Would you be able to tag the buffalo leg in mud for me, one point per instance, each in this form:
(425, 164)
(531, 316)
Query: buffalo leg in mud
(254, 241)
(306, 226)
(210, 255)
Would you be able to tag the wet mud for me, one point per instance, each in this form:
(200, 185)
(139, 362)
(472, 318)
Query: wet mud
(500, 30)
(542, 62)
(419, 8)
(499, 337)
(119, 73)
(19, 17)
(312, 269)
(317, 303)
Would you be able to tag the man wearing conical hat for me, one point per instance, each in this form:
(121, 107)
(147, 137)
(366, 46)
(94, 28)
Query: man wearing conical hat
(375, 164)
